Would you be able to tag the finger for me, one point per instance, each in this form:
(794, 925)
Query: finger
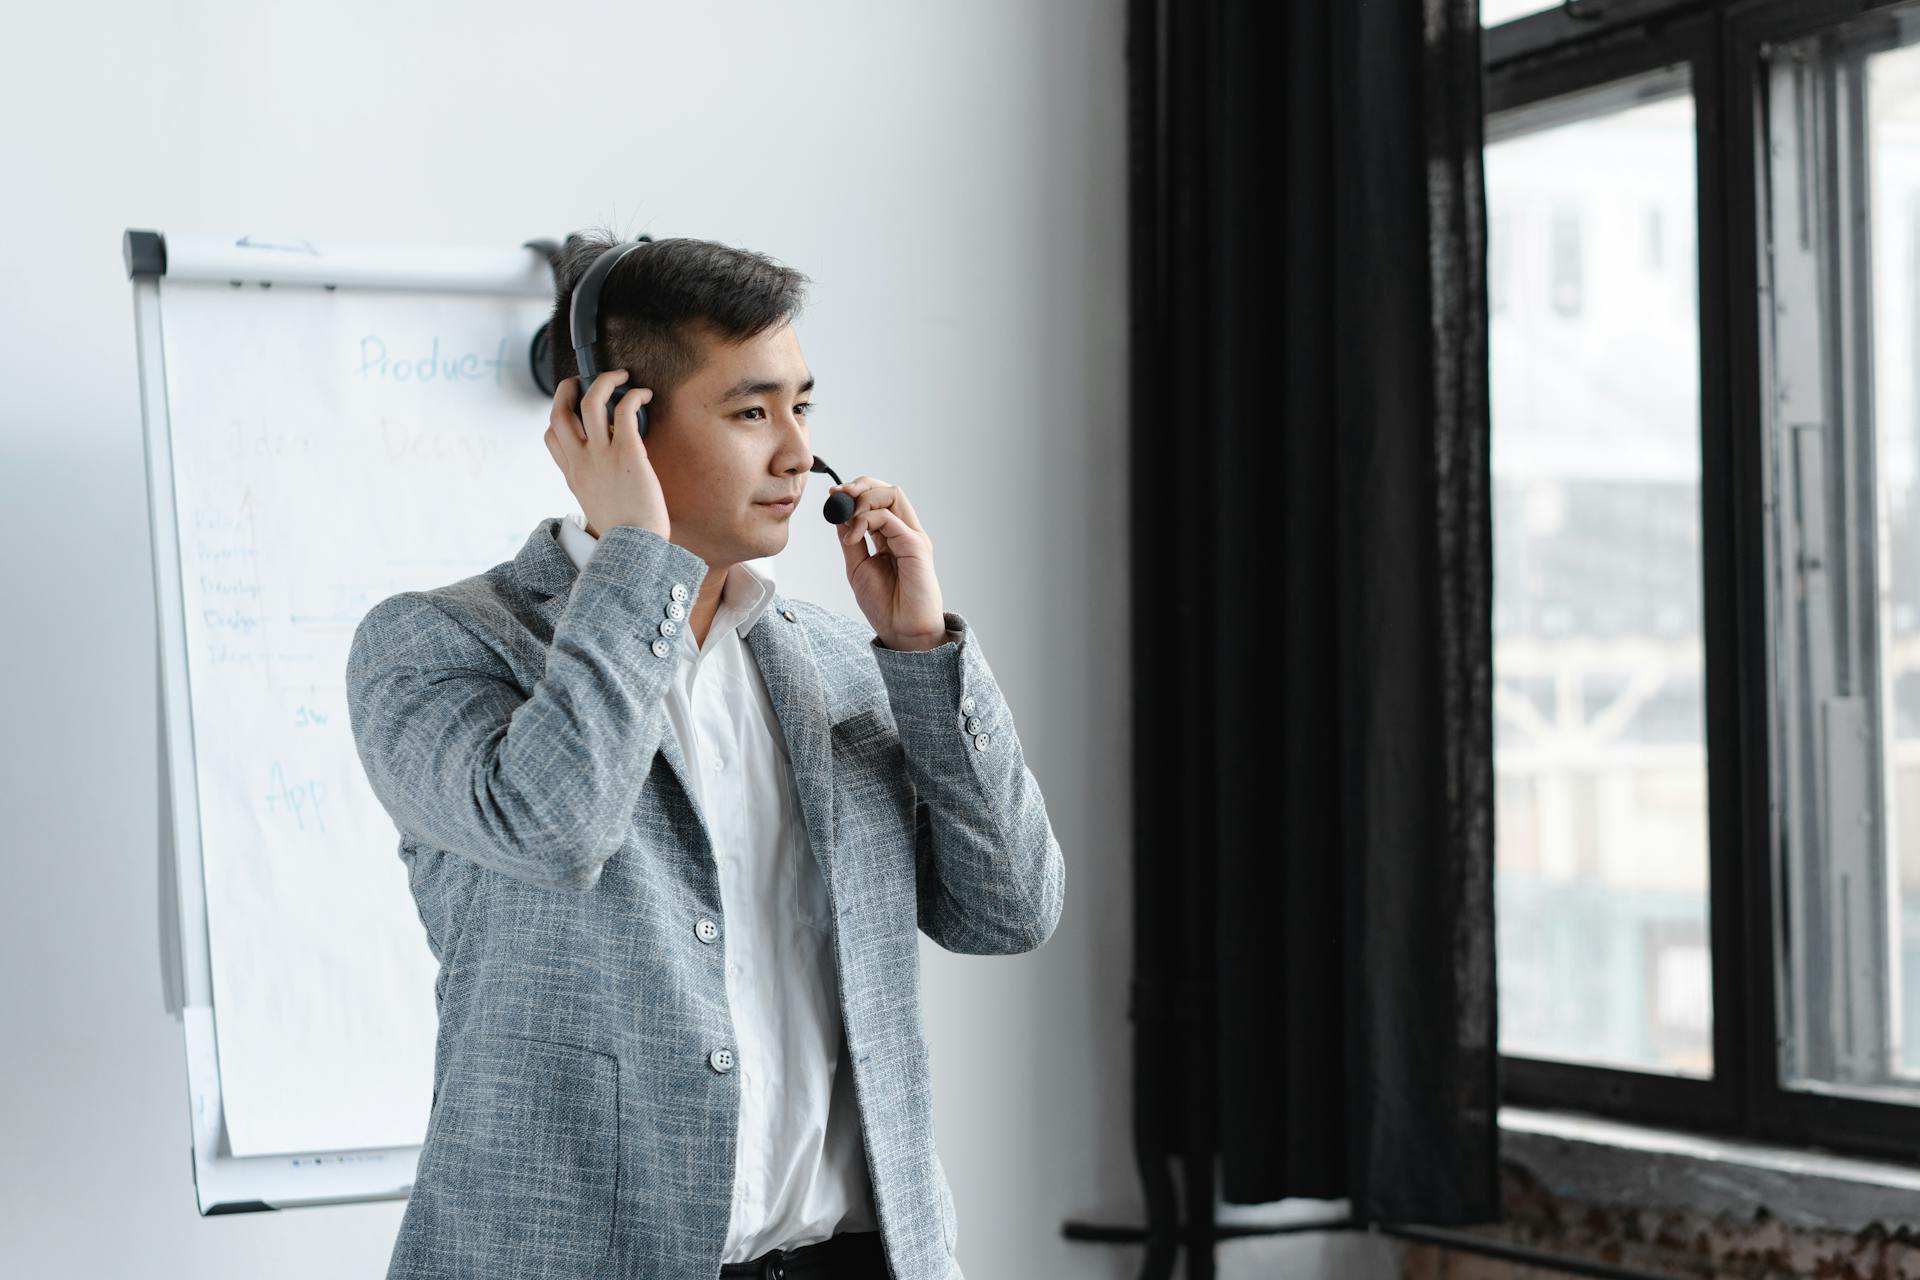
(563, 434)
(627, 412)
(882, 496)
(895, 537)
(853, 548)
(873, 497)
(904, 509)
(596, 421)
(593, 406)
(891, 534)
(855, 487)
(867, 492)
(561, 418)
(853, 528)
(552, 440)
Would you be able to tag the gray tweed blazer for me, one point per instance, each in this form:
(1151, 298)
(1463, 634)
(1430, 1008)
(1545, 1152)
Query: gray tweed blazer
(584, 1103)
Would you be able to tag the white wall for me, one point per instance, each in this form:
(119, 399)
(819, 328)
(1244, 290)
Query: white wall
(953, 178)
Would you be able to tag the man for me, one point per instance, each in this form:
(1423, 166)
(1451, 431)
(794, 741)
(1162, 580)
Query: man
(672, 834)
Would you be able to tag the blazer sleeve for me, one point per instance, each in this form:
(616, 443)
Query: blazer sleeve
(991, 878)
(539, 787)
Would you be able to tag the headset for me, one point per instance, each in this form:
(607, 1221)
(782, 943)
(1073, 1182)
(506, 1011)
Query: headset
(583, 320)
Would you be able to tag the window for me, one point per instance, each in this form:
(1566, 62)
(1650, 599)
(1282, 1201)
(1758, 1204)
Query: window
(1704, 216)
(1843, 120)
(1599, 734)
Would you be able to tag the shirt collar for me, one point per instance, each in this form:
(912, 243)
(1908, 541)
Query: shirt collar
(748, 592)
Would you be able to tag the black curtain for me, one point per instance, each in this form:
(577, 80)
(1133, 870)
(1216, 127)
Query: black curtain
(1314, 997)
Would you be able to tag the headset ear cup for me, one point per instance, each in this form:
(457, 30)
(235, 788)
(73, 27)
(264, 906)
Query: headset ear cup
(540, 357)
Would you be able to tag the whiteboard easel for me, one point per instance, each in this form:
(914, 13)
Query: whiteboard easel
(517, 283)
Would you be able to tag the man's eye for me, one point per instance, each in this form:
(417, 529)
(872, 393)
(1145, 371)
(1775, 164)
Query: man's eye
(804, 404)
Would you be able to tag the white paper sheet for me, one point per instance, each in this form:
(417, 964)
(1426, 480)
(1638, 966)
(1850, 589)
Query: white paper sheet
(329, 449)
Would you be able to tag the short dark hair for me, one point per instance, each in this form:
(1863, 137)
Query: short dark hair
(656, 297)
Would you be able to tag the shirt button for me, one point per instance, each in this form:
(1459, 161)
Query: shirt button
(721, 1060)
(718, 764)
(679, 591)
(661, 648)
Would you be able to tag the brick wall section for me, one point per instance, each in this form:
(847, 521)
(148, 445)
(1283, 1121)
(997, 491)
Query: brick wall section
(1670, 1243)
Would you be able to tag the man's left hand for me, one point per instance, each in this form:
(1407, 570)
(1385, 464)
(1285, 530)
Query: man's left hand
(894, 583)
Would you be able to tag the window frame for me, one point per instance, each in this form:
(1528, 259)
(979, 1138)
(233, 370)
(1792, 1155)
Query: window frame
(1555, 53)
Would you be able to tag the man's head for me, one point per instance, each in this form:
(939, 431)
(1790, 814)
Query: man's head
(709, 329)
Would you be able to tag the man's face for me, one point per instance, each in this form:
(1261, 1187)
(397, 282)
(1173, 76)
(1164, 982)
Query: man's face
(734, 436)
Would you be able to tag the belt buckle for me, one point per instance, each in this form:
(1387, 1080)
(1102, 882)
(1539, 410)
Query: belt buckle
(776, 1265)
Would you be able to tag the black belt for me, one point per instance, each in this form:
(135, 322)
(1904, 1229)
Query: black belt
(844, 1251)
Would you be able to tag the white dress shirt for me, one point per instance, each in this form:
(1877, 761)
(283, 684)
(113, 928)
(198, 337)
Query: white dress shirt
(800, 1162)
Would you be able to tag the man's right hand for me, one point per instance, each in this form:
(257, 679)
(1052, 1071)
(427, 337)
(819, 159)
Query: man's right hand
(606, 467)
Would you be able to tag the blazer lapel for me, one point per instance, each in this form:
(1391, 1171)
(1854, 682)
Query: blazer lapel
(799, 700)
(544, 569)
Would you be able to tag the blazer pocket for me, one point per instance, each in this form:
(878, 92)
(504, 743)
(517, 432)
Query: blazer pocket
(866, 753)
(523, 1157)
(873, 802)
(873, 795)
(863, 729)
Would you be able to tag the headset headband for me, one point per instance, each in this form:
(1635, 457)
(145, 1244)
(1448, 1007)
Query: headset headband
(584, 315)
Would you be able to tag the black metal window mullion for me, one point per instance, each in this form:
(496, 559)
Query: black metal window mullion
(1740, 596)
